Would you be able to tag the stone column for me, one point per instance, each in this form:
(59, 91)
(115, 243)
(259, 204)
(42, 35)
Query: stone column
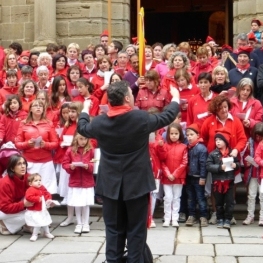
(45, 23)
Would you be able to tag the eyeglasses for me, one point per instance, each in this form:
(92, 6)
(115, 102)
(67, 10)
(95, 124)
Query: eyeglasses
(37, 106)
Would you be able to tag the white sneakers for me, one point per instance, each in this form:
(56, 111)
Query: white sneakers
(78, 229)
(85, 228)
(249, 220)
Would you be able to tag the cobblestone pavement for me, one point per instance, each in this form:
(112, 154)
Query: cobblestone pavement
(242, 244)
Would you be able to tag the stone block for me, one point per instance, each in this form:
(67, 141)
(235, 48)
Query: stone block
(217, 240)
(251, 231)
(65, 258)
(28, 45)
(188, 235)
(247, 240)
(20, 13)
(246, 8)
(29, 32)
(171, 259)
(30, 2)
(62, 28)
(203, 259)
(84, 28)
(195, 250)
(13, 2)
(100, 258)
(6, 241)
(213, 231)
(222, 259)
(31, 13)
(98, 10)
(239, 250)
(73, 11)
(13, 31)
(6, 14)
(250, 259)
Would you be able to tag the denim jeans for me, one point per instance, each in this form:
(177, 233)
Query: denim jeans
(196, 195)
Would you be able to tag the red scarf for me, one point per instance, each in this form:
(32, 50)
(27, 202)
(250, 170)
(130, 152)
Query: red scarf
(243, 67)
(118, 110)
(190, 146)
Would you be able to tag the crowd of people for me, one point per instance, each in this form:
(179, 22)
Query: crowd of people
(213, 143)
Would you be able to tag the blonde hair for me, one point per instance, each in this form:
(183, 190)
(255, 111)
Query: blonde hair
(6, 67)
(75, 146)
(31, 177)
(30, 116)
(77, 106)
(73, 45)
(218, 69)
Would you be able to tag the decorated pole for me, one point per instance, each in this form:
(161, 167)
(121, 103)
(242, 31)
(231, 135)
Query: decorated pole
(141, 40)
(109, 20)
(138, 17)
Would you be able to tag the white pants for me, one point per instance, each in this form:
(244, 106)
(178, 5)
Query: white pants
(48, 174)
(253, 189)
(172, 198)
(153, 202)
(63, 183)
(13, 222)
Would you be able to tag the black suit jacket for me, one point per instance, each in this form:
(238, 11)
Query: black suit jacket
(123, 140)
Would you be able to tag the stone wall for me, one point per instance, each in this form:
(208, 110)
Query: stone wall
(79, 21)
(243, 12)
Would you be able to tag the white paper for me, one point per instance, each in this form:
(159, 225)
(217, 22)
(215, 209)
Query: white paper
(227, 162)
(251, 161)
(78, 164)
(152, 137)
(202, 115)
(52, 203)
(238, 178)
(157, 183)
(59, 131)
(74, 92)
(183, 101)
(231, 93)
(97, 162)
(68, 138)
(107, 75)
(241, 116)
(261, 186)
(37, 141)
(104, 108)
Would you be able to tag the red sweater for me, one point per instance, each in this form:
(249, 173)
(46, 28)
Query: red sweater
(33, 195)
(95, 104)
(238, 138)
(98, 82)
(12, 192)
(29, 131)
(79, 177)
(174, 159)
(197, 105)
(197, 69)
(26, 102)
(5, 92)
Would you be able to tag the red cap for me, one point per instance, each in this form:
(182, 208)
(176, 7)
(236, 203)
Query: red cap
(105, 33)
(251, 36)
(228, 48)
(245, 50)
(194, 127)
(208, 39)
(135, 40)
(25, 53)
(255, 20)
(224, 134)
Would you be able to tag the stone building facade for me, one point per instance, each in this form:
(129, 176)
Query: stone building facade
(33, 23)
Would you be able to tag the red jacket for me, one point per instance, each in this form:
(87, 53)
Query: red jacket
(238, 138)
(29, 131)
(147, 99)
(255, 108)
(168, 80)
(88, 75)
(79, 177)
(60, 152)
(33, 195)
(197, 69)
(12, 192)
(95, 104)
(9, 125)
(5, 92)
(98, 82)
(258, 158)
(3, 77)
(174, 158)
(26, 103)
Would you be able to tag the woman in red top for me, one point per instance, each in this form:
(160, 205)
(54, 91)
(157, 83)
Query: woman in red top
(211, 55)
(186, 48)
(152, 95)
(186, 89)
(36, 137)
(27, 93)
(73, 74)
(149, 61)
(12, 192)
(89, 68)
(157, 52)
(59, 65)
(244, 106)
(73, 51)
(44, 59)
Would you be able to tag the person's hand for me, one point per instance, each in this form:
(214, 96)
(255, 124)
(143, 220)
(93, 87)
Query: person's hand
(223, 92)
(233, 165)
(248, 164)
(27, 203)
(223, 167)
(184, 106)
(140, 81)
(170, 177)
(86, 166)
(86, 106)
(104, 87)
(42, 144)
(72, 166)
(234, 153)
(201, 181)
(31, 143)
(175, 93)
(160, 143)
(246, 123)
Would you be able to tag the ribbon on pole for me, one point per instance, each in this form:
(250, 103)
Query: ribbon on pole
(109, 20)
(141, 41)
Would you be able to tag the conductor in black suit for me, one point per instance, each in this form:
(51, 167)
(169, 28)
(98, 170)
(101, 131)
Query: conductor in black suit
(125, 176)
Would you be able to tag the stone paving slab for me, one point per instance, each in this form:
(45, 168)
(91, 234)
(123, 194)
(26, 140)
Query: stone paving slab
(99, 259)
(6, 241)
(189, 235)
(19, 251)
(97, 225)
(161, 242)
(198, 259)
(250, 259)
(252, 230)
(217, 240)
(65, 258)
(214, 231)
(195, 250)
(222, 259)
(247, 240)
(171, 259)
(64, 245)
(239, 250)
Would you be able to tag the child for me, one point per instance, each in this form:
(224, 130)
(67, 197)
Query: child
(59, 93)
(52, 49)
(81, 181)
(173, 155)
(37, 215)
(223, 181)
(257, 174)
(195, 184)
(10, 120)
(73, 54)
(63, 115)
(85, 89)
(24, 58)
(255, 25)
(27, 74)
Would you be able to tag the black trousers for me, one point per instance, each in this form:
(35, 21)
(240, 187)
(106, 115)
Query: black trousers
(224, 203)
(125, 220)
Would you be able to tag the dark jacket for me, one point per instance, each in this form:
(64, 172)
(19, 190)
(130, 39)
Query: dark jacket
(197, 160)
(214, 163)
(123, 141)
